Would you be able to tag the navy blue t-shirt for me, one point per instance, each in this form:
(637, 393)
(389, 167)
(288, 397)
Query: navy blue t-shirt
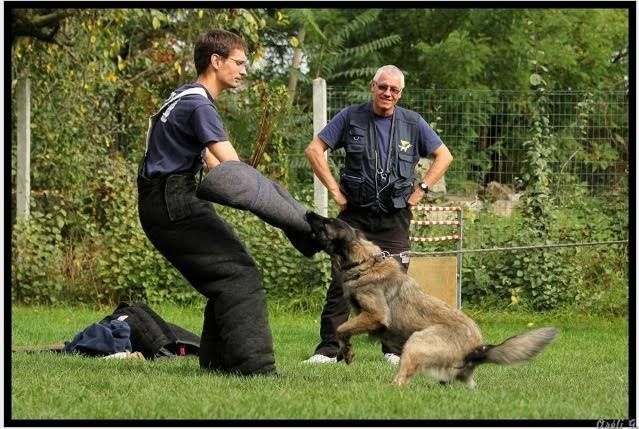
(331, 134)
(181, 134)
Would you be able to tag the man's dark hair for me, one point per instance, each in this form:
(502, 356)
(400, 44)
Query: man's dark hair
(216, 41)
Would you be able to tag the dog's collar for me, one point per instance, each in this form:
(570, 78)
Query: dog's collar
(381, 256)
(378, 257)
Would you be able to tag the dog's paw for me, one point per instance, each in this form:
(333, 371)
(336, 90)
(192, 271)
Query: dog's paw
(348, 357)
(345, 355)
(399, 381)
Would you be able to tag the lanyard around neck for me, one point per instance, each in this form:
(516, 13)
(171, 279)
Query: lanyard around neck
(383, 172)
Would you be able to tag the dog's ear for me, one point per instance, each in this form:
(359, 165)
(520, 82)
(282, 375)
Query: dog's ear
(336, 229)
(341, 236)
(311, 216)
(316, 221)
(359, 234)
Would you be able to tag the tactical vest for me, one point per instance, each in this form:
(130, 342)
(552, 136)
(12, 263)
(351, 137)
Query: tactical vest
(364, 184)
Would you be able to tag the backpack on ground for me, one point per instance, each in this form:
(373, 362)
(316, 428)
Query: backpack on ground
(153, 336)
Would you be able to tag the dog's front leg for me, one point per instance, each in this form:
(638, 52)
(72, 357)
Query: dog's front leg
(345, 352)
(363, 322)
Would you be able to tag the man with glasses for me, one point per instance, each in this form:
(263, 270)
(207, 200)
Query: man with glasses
(377, 186)
(185, 133)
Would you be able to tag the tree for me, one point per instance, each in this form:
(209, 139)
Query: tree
(483, 48)
(330, 45)
(41, 24)
(97, 74)
(90, 106)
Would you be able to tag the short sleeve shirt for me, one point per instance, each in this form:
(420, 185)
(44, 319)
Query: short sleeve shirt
(332, 133)
(182, 132)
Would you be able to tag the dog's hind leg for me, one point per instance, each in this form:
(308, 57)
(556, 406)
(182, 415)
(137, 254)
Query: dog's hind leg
(426, 350)
(409, 365)
(466, 376)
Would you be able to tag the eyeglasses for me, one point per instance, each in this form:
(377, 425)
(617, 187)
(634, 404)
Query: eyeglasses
(240, 63)
(382, 87)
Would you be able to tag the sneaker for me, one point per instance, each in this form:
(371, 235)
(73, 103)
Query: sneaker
(321, 359)
(391, 358)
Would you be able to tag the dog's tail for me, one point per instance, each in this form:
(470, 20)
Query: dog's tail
(518, 349)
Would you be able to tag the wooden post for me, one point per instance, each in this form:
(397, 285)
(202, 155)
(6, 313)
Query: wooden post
(319, 121)
(23, 167)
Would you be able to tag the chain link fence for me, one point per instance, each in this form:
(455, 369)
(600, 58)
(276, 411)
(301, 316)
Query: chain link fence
(575, 251)
(486, 130)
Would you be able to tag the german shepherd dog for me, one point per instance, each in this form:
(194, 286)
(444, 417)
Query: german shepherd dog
(391, 306)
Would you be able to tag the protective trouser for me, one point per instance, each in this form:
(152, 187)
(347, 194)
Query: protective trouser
(236, 337)
(390, 233)
(237, 184)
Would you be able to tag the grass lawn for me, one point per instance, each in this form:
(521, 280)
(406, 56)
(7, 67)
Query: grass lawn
(583, 375)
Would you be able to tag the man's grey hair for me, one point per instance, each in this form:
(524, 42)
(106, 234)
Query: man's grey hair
(390, 69)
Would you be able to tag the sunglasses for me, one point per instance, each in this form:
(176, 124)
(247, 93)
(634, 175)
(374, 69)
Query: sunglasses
(382, 87)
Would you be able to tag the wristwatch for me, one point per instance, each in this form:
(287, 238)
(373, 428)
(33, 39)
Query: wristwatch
(424, 187)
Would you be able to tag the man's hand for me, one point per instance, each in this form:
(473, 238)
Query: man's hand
(315, 154)
(415, 197)
(340, 199)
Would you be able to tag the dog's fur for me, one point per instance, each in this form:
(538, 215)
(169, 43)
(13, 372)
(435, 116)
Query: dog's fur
(391, 306)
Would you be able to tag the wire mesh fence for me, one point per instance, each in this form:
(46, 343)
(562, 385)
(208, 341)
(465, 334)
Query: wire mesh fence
(582, 257)
(486, 131)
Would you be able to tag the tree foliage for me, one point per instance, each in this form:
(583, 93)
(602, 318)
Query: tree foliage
(40, 24)
(89, 107)
(485, 47)
(585, 49)
(97, 74)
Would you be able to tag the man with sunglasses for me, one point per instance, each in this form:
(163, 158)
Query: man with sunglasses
(377, 186)
(185, 133)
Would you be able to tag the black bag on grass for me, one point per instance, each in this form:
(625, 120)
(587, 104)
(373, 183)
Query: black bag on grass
(153, 336)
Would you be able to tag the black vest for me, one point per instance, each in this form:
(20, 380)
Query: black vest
(362, 185)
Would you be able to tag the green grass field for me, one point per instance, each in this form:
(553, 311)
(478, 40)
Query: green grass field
(583, 375)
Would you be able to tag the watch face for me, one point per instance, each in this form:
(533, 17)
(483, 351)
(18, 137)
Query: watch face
(423, 186)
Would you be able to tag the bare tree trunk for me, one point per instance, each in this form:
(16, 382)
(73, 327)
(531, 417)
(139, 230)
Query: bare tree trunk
(295, 65)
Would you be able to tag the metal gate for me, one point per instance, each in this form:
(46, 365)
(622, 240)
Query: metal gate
(440, 276)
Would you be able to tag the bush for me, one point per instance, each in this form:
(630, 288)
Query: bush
(36, 259)
(130, 268)
(102, 256)
(592, 279)
(87, 246)
(105, 257)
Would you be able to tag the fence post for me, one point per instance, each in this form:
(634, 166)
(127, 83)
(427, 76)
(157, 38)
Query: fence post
(319, 121)
(23, 167)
